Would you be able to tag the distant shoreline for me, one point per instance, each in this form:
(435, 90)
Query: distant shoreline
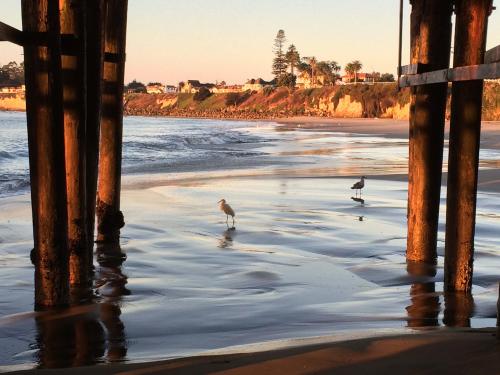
(329, 102)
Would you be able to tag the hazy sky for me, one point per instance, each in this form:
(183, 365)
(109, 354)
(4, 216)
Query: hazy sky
(231, 40)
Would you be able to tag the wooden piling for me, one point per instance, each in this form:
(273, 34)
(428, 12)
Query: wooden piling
(458, 309)
(74, 106)
(465, 131)
(109, 216)
(415, 17)
(432, 38)
(95, 60)
(46, 153)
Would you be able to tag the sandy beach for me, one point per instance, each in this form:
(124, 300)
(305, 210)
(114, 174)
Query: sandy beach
(307, 259)
(443, 352)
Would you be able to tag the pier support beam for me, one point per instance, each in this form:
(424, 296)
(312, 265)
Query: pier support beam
(46, 153)
(426, 137)
(95, 60)
(72, 15)
(465, 130)
(109, 216)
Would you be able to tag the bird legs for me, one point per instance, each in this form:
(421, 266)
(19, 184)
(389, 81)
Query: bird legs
(227, 221)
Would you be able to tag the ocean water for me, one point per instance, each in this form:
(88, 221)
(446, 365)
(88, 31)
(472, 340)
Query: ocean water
(149, 146)
(307, 257)
(154, 146)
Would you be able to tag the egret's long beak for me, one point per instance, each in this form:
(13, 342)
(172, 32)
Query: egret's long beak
(219, 201)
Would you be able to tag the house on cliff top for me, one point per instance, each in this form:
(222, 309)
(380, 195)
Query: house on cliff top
(9, 89)
(155, 88)
(257, 84)
(193, 86)
(361, 77)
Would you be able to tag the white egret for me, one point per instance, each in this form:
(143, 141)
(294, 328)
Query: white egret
(224, 207)
(359, 185)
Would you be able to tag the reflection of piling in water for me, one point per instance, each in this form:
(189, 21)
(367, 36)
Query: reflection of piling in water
(115, 332)
(458, 309)
(55, 341)
(109, 216)
(89, 341)
(83, 335)
(425, 306)
(498, 313)
(430, 45)
(111, 282)
(72, 337)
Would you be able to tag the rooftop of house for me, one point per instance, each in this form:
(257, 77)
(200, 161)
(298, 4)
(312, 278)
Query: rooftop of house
(196, 83)
(260, 81)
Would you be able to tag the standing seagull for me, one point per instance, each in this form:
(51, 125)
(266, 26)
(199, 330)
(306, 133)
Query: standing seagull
(359, 185)
(224, 207)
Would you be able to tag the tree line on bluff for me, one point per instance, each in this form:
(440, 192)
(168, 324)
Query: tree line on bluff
(287, 63)
(12, 74)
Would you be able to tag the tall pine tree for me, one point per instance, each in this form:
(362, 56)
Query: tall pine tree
(279, 61)
(292, 58)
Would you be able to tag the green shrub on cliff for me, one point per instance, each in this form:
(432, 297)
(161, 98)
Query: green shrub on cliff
(237, 98)
(201, 95)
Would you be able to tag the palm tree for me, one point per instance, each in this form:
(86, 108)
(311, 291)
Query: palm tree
(349, 69)
(356, 65)
(328, 69)
(336, 66)
(313, 63)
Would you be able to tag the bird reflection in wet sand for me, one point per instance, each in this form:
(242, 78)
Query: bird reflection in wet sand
(227, 239)
(359, 200)
(425, 306)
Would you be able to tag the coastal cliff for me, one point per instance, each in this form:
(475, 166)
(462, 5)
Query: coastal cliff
(12, 102)
(351, 101)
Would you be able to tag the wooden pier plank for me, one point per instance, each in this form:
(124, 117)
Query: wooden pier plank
(11, 34)
(464, 73)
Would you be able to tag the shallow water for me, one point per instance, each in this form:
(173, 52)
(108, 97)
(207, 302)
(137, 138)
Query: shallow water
(304, 260)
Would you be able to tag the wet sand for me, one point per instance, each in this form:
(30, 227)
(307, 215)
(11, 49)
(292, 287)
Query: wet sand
(389, 128)
(304, 260)
(437, 352)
